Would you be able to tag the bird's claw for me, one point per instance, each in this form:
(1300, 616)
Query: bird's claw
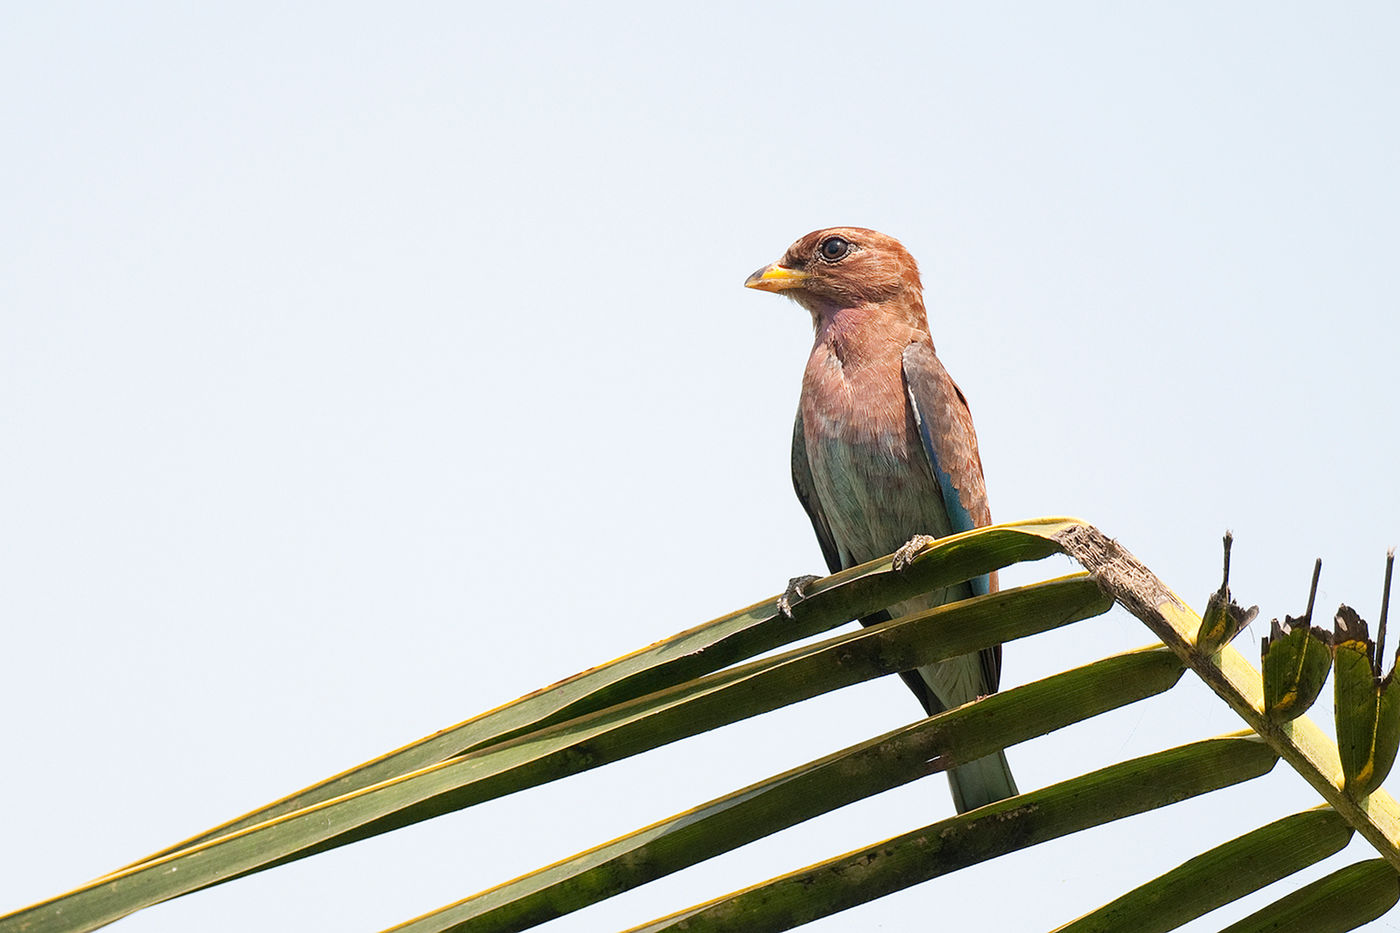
(910, 550)
(795, 593)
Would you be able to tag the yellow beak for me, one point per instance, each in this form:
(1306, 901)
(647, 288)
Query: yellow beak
(775, 278)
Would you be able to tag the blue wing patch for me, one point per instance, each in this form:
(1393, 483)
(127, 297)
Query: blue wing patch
(959, 518)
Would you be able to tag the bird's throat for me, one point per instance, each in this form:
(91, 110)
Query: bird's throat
(858, 338)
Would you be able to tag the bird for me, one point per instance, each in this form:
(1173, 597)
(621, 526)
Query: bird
(884, 454)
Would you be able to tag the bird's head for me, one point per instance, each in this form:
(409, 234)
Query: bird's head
(843, 267)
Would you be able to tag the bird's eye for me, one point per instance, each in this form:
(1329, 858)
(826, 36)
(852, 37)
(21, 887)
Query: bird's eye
(834, 248)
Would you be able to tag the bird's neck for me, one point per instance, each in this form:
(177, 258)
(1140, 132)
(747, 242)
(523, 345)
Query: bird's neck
(869, 334)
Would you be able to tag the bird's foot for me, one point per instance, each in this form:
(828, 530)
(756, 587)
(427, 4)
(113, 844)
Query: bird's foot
(795, 593)
(910, 550)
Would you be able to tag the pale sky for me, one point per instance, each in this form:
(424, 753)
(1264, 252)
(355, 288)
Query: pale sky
(362, 368)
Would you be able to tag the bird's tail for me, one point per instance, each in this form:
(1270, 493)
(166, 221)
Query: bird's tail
(952, 683)
(981, 782)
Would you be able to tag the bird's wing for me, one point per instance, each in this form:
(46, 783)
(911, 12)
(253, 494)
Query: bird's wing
(945, 426)
(806, 494)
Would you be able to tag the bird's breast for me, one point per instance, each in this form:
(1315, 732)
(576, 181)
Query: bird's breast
(869, 469)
